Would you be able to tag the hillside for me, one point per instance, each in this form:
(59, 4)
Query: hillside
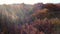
(30, 19)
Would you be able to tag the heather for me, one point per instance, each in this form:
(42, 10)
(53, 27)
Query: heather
(30, 19)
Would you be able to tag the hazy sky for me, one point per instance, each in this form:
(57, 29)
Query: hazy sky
(28, 1)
